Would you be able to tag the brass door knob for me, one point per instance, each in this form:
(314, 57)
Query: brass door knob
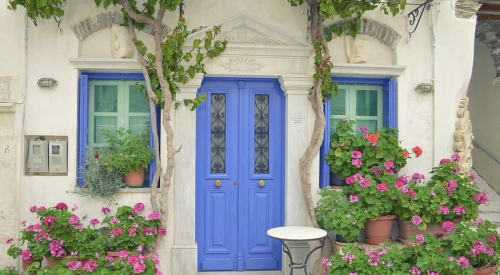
(262, 183)
(218, 183)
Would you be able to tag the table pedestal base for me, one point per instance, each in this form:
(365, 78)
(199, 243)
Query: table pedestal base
(294, 265)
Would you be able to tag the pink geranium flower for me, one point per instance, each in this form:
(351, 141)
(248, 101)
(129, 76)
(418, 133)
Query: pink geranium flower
(382, 187)
(353, 198)
(356, 154)
(444, 210)
(364, 183)
(448, 227)
(356, 162)
(416, 220)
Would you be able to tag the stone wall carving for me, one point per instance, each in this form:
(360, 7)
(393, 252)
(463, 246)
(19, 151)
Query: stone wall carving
(244, 35)
(104, 20)
(242, 65)
(121, 42)
(383, 33)
(462, 136)
(466, 8)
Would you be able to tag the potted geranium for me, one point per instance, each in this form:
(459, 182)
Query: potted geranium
(351, 154)
(479, 243)
(448, 196)
(33, 252)
(376, 194)
(128, 231)
(344, 215)
(97, 180)
(129, 154)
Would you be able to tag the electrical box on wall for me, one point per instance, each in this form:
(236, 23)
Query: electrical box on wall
(58, 156)
(46, 155)
(38, 151)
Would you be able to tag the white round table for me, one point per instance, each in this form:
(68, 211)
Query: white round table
(297, 233)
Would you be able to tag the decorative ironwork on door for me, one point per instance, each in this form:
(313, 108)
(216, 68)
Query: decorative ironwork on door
(218, 134)
(261, 135)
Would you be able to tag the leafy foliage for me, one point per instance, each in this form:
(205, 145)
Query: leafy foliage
(376, 149)
(39, 8)
(97, 180)
(336, 212)
(127, 151)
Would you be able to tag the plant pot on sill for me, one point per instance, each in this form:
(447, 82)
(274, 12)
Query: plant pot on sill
(52, 262)
(486, 270)
(135, 178)
(379, 230)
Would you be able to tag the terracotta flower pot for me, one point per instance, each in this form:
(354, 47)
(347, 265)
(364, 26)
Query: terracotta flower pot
(486, 271)
(408, 229)
(339, 247)
(52, 262)
(113, 254)
(379, 230)
(135, 178)
(29, 262)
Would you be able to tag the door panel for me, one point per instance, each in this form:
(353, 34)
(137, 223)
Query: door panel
(240, 142)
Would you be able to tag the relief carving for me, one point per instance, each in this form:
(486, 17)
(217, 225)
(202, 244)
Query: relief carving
(356, 50)
(245, 36)
(463, 137)
(298, 66)
(242, 65)
(121, 43)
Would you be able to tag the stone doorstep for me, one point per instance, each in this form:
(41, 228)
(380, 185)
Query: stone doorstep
(492, 216)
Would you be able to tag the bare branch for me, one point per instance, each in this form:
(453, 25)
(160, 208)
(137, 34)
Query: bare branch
(141, 18)
(153, 100)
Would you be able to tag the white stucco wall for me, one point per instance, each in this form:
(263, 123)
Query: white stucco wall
(483, 106)
(426, 120)
(12, 77)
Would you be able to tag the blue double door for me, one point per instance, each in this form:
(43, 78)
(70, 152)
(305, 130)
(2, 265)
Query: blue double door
(239, 174)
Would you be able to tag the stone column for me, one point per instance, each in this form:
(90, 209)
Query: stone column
(185, 249)
(296, 89)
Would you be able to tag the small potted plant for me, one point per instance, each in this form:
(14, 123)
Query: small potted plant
(351, 154)
(479, 243)
(376, 194)
(97, 180)
(448, 196)
(344, 215)
(129, 154)
(128, 231)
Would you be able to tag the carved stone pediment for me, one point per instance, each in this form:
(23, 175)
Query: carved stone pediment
(243, 29)
(256, 47)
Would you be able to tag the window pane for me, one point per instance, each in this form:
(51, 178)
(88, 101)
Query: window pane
(137, 102)
(261, 137)
(106, 98)
(138, 124)
(218, 134)
(370, 124)
(338, 103)
(108, 122)
(366, 103)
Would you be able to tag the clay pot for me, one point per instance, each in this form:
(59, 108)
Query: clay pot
(339, 247)
(135, 178)
(50, 262)
(486, 271)
(408, 229)
(113, 254)
(29, 262)
(379, 230)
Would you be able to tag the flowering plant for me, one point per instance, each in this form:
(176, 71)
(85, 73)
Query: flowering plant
(376, 192)
(447, 196)
(337, 212)
(350, 154)
(29, 237)
(105, 265)
(128, 151)
(97, 180)
(480, 245)
(129, 231)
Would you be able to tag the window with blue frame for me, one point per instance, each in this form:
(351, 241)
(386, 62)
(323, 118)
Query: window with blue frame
(110, 101)
(370, 102)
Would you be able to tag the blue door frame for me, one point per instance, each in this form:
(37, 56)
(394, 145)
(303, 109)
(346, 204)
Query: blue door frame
(234, 149)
